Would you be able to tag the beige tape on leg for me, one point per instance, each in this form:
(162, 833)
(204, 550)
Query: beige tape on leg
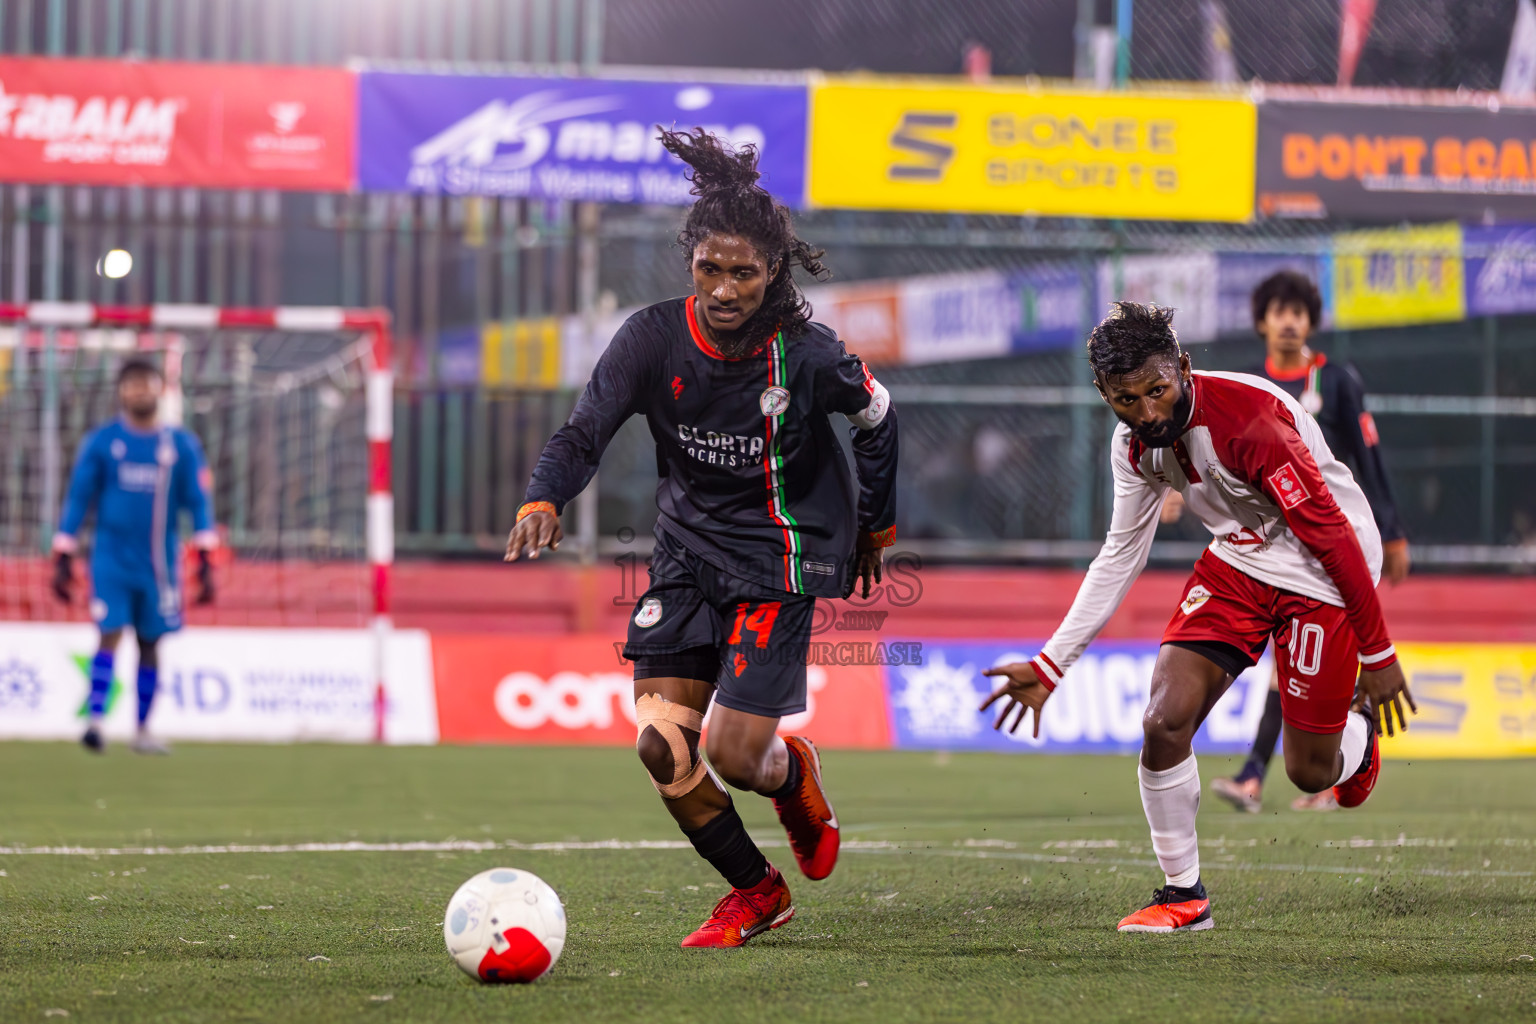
(669, 719)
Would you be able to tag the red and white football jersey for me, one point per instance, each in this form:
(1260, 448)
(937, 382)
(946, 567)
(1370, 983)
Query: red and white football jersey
(1253, 466)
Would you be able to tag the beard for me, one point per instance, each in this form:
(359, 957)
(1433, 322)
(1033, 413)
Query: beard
(1164, 434)
(746, 340)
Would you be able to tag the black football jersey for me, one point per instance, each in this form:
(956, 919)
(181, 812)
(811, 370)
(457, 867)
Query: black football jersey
(752, 477)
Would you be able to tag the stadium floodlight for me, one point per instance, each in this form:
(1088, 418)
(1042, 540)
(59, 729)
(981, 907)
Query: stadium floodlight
(116, 264)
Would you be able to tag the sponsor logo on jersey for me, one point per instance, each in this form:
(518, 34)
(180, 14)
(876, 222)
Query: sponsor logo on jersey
(1288, 486)
(649, 613)
(717, 449)
(139, 477)
(774, 401)
(822, 568)
(1196, 597)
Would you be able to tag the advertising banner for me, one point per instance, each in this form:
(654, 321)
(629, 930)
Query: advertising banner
(1239, 273)
(1186, 281)
(1406, 276)
(956, 316)
(1388, 163)
(1049, 306)
(867, 316)
(112, 122)
(1475, 700)
(1501, 269)
(577, 690)
(891, 144)
(576, 139)
(1097, 709)
(248, 685)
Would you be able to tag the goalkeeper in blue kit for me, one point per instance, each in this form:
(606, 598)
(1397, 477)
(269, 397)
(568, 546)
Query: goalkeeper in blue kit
(138, 476)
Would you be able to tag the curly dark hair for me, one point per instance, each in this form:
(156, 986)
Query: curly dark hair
(1288, 287)
(135, 366)
(1129, 336)
(731, 202)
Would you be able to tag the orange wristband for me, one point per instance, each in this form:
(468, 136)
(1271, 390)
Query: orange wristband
(536, 506)
(873, 539)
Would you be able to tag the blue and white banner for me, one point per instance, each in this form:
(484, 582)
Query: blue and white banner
(560, 138)
(1051, 304)
(1500, 269)
(1096, 710)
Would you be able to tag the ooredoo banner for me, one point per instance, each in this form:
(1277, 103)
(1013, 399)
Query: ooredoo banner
(577, 690)
(251, 685)
(577, 139)
(100, 122)
(1387, 163)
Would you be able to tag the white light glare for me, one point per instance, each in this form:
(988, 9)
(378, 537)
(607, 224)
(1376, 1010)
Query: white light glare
(115, 264)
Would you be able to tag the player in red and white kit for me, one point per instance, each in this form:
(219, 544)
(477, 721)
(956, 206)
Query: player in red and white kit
(1295, 557)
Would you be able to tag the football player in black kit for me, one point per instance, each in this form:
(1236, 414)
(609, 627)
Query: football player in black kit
(759, 516)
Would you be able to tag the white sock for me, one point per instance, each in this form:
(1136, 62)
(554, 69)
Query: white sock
(1353, 743)
(1171, 799)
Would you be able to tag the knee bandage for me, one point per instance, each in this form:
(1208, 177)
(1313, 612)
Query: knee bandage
(669, 719)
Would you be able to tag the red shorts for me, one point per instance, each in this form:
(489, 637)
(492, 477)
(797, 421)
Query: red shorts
(1316, 654)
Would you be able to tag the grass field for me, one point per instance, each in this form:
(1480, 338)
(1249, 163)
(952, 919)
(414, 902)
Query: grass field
(972, 888)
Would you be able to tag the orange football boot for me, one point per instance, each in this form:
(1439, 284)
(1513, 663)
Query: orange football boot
(808, 816)
(1353, 790)
(1173, 909)
(743, 913)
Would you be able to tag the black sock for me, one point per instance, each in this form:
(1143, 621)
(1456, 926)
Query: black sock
(791, 781)
(1264, 740)
(724, 842)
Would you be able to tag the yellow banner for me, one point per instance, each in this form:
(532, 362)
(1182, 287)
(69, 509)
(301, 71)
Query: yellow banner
(1475, 700)
(888, 144)
(1407, 276)
(524, 353)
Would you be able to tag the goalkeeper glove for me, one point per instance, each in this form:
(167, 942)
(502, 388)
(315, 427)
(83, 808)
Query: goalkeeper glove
(205, 591)
(63, 576)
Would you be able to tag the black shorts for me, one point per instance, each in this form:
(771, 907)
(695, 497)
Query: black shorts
(700, 622)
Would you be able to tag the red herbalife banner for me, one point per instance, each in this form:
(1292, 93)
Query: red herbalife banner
(97, 122)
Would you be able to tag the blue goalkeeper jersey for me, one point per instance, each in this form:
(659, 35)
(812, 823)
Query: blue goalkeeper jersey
(139, 483)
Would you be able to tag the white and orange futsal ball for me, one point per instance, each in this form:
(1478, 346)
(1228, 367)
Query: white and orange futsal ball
(505, 925)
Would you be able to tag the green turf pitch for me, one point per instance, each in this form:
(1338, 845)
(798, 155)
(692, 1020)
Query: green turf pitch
(973, 888)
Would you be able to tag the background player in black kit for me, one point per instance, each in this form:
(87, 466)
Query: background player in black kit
(759, 516)
(1287, 308)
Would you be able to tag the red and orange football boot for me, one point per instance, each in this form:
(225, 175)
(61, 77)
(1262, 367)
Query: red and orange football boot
(1173, 909)
(807, 815)
(743, 913)
(1353, 790)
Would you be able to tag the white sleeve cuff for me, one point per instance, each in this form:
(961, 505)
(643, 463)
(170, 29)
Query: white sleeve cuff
(1383, 657)
(64, 544)
(206, 539)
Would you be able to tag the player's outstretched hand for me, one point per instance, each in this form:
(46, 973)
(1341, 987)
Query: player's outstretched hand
(63, 576)
(1388, 689)
(1395, 561)
(1023, 690)
(205, 588)
(538, 530)
(871, 568)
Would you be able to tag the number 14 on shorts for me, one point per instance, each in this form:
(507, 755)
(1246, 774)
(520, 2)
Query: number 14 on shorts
(759, 621)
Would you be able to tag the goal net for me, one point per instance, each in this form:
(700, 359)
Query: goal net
(293, 407)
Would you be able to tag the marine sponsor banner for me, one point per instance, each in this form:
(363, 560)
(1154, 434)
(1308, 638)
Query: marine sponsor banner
(110, 122)
(562, 138)
(577, 690)
(1239, 273)
(1408, 276)
(1097, 709)
(1475, 700)
(894, 144)
(221, 684)
(1185, 281)
(1501, 269)
(1388, 163)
